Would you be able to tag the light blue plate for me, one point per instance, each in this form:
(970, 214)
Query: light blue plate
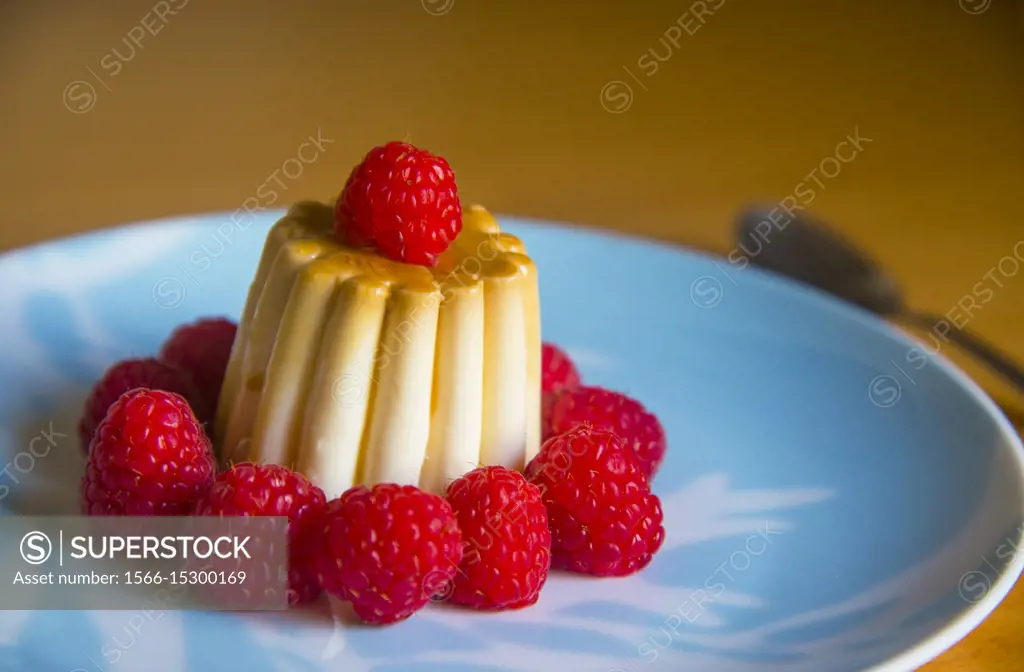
(833, 501)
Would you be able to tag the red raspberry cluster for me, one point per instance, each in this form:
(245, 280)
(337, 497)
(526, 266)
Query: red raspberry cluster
(583, 504)
(148, 452)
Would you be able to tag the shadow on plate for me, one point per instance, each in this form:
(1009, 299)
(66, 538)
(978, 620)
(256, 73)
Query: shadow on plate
(45, 473)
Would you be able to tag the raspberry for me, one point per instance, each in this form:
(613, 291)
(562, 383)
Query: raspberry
(402, 200)
(201, 350)
(270, 490)
(388, 549)
(604, 520)
(604, 409)
(505, 539)
(558, 371)
(128, 375)
(148, 457)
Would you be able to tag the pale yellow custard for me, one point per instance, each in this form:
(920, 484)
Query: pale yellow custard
(355, 369)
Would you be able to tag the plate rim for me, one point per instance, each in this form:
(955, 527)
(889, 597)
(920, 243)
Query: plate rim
(925, 651)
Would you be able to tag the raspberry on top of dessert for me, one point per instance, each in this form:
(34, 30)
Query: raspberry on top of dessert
(402, 200)
(354, 368)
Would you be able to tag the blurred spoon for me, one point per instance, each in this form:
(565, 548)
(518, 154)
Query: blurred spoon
(810, 251)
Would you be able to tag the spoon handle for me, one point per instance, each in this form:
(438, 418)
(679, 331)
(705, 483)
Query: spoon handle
(984, 352)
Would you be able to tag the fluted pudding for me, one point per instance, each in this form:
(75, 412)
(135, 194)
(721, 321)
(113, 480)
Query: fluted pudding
(356, 369)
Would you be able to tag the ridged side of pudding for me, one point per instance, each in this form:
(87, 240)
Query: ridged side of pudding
(356, 369)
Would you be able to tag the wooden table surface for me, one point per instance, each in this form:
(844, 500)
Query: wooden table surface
(125, 110)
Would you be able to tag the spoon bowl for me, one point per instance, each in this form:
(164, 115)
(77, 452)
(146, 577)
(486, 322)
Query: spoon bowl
(806, 249)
